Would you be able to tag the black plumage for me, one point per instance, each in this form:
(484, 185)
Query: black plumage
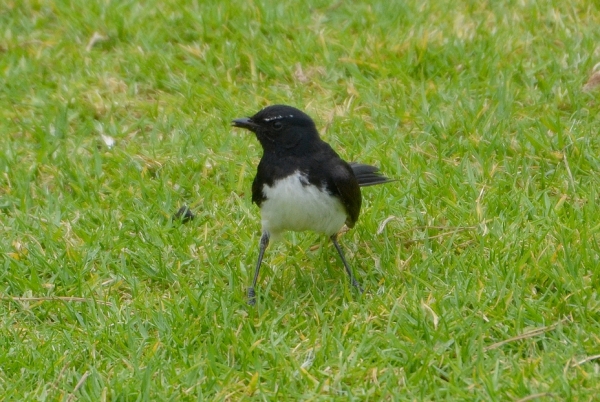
(301, 183)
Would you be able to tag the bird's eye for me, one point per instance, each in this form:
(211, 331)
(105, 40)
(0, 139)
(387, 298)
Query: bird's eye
(277, 125)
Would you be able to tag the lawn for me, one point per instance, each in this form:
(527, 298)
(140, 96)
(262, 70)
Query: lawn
(481, 263)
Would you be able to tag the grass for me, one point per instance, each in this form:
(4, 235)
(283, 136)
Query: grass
(481, 285)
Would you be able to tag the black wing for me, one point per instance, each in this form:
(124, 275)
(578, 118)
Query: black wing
(343, 180)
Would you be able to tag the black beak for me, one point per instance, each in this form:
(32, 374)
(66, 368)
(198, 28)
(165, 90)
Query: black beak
(244, 122)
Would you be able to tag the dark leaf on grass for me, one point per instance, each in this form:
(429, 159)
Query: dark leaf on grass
(184, 214)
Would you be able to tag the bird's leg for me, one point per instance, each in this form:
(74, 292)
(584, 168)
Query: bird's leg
(348, 270)
(264, 242)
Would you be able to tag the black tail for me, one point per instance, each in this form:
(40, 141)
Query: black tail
(368, 175)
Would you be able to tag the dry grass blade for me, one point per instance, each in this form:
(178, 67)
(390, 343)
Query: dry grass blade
(57, 298)
(79, 385)
(530, 334)
(583, 361)
(593, 82)
(449, 230)
(536, 396)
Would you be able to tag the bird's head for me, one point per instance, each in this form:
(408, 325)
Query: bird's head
(279, 127)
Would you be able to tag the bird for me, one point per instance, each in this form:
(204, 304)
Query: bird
(301, 183)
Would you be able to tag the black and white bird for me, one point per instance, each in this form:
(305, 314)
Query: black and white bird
(301, 183)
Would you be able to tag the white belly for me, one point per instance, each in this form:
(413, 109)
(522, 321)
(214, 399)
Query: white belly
(292, 205)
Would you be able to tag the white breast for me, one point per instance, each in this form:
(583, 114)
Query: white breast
(294, 204)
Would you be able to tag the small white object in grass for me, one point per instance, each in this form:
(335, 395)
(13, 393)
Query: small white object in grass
(108, 140)
(383, 224)
(299, 74)
(434, 316)
(308, 361)
(96, 37)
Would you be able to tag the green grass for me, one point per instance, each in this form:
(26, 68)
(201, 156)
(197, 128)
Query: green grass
(483, 285)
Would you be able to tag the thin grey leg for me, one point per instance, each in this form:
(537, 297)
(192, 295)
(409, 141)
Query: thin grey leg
(348, 270)
(264, 242)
